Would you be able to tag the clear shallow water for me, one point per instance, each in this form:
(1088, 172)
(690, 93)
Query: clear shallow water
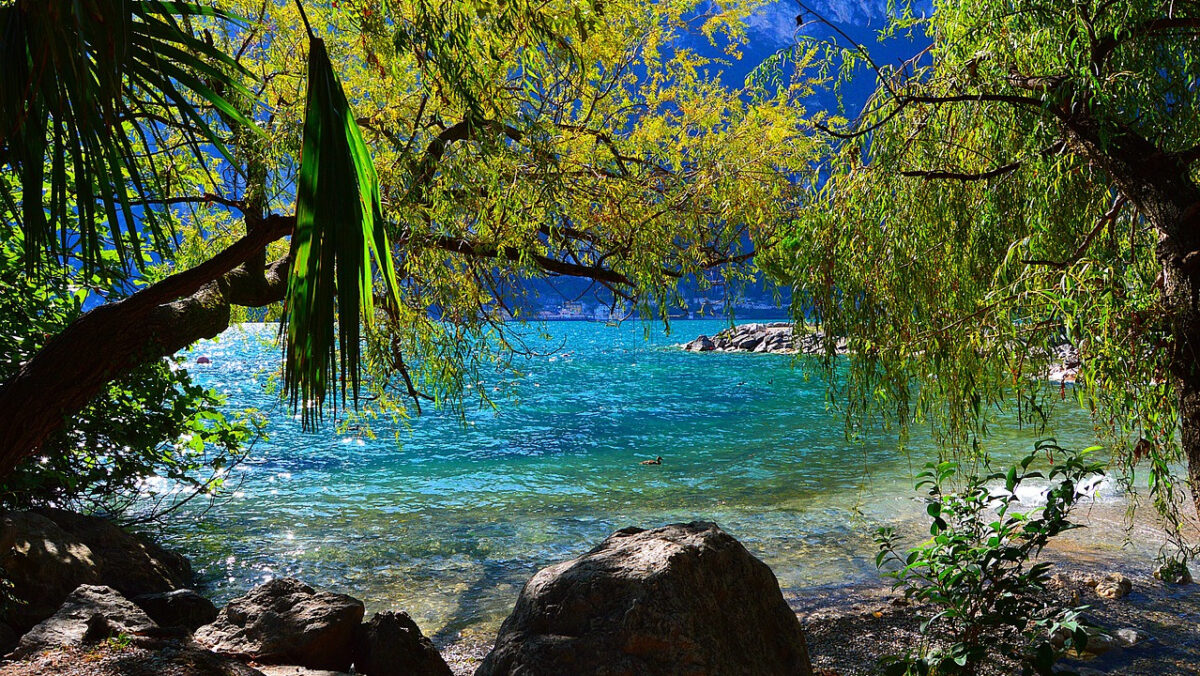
(448, 520)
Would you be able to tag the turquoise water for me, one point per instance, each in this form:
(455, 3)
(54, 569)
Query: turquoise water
(448, 520)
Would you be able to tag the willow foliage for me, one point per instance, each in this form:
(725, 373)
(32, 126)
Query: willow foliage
(524, 140)
(966, 232)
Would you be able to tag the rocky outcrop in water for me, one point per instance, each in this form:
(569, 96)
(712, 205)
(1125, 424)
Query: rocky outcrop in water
(774, 338)
(391, 644)
(48, 553)
(287, 622)
(682, 599)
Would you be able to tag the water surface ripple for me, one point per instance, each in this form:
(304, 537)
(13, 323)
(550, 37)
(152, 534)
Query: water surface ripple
(446, 521)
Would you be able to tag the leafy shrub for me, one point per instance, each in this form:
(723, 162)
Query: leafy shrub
(978, 569)
(153, 422)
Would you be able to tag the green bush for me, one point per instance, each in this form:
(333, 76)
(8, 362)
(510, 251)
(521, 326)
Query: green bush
(154, 422)
(977, 569)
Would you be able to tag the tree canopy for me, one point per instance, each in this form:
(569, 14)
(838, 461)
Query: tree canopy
(509, 141)
(1027, 181)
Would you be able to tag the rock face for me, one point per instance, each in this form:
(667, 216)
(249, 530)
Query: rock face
(90, 613)
(47, 553)
(775, 337)
(682, 599)
(180, 608)
(286, 622)
(391, 644)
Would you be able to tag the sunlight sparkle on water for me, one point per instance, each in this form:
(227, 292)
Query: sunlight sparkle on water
(404, 520)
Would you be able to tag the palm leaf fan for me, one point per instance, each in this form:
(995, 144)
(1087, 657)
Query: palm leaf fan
(339, 228)
(88, 89)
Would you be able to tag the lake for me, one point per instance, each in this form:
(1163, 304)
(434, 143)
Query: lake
(446, 520)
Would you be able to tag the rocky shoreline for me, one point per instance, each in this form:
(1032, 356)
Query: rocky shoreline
(781, 338)
(771, 338)
(657, 602)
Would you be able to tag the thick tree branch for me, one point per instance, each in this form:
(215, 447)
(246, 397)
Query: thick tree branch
(904, 101)
(551, 265)
(77, 364)
(981, 176)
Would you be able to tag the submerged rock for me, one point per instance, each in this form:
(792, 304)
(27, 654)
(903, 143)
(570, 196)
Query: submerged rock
(682, 599)
(47, 553)
(180, 608)
(90, 614)
(391, 644)
(287, 622)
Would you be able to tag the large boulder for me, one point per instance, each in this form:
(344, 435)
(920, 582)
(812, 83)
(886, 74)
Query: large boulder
(682, 599)
(47, 553)
(286, 622)
(391, 644)
(90, 614)
(180, 608)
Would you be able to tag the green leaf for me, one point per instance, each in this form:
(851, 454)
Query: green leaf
(339, 229)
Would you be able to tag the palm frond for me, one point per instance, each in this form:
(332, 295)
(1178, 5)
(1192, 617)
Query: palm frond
(339, 229)
(71, 126)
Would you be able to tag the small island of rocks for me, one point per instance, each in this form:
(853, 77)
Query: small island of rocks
(773, 337)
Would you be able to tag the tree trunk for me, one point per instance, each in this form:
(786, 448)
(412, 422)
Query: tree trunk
(77, 364)
(1181, 286)
(1160, 185)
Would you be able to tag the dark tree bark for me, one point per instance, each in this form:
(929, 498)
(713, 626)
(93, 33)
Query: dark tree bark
(1160, 185)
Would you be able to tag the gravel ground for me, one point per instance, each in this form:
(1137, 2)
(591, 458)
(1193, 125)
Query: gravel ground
(106, 659)
(850, 631)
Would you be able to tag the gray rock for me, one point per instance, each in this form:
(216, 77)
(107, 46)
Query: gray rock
(286, 622)
(701, 344)
(776, 337)
(91, 613)
(47, 553)
(391, 644)
(1129, 637)
(682, 599)
(179, 608)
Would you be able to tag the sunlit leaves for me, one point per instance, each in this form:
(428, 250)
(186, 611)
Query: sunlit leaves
(959, 243)
(339, 230)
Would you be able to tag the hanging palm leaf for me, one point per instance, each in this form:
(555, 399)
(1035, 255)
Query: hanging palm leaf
(89, 90)
(339, 228)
